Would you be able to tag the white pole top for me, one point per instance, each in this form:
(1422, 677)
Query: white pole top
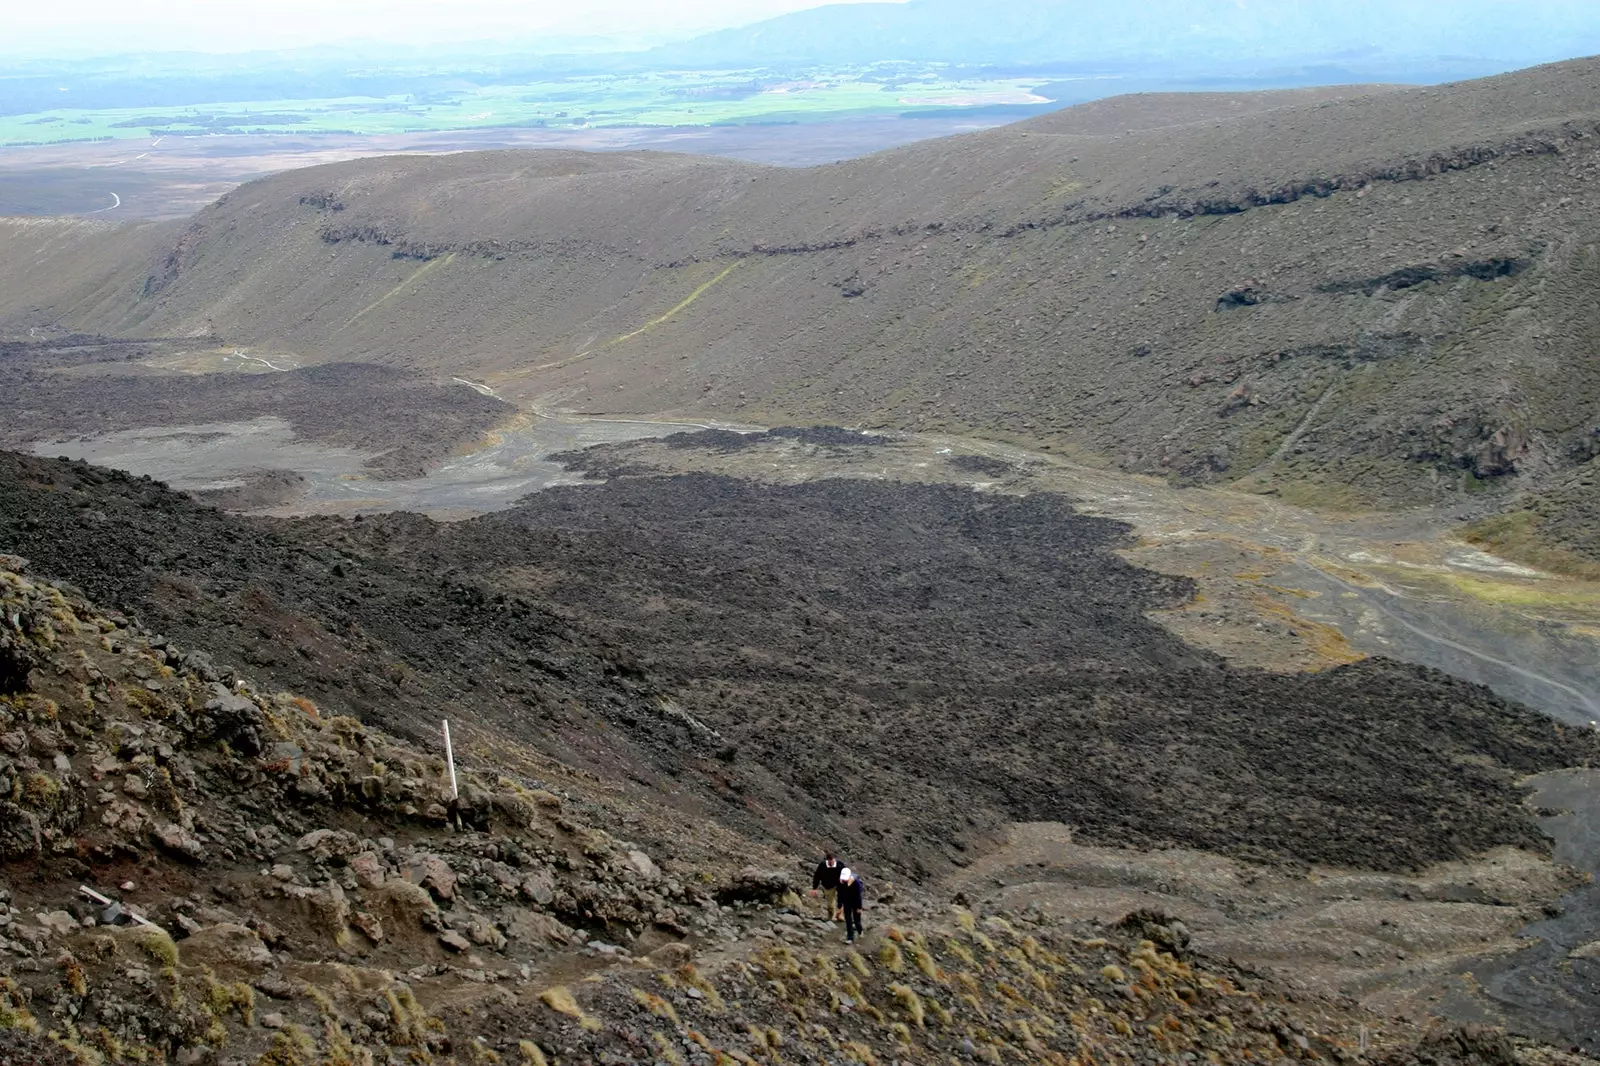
(450, 760)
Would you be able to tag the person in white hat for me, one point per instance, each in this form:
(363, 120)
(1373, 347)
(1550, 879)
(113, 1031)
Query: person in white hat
(850, 894)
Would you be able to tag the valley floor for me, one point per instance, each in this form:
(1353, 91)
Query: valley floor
(1282, 587)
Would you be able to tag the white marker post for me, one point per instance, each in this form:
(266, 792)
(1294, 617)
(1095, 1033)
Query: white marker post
(450, 760)
(106, 901)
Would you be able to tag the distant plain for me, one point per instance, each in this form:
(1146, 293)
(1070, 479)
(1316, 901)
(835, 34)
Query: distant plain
(664, 98)
(119, 155)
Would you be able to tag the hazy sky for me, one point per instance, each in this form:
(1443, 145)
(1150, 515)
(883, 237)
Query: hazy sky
(79, 26)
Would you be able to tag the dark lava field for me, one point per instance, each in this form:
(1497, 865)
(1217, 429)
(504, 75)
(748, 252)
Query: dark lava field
(82, 385)
(896, 668)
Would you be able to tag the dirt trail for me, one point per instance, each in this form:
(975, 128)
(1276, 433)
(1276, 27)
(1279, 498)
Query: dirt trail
(1454, 939)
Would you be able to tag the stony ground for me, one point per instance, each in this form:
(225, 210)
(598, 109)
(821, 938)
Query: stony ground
(905, 668)
(291, 888)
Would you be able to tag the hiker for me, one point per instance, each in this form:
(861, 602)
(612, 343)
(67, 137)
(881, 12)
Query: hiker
(826, 880)
(850, 889)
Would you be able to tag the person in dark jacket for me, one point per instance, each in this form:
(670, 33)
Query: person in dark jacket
(850, 893)
(826, 881)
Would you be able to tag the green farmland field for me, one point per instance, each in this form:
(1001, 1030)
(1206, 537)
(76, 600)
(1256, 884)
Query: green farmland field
(653, 99)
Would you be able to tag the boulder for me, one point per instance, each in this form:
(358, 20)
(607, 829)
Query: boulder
(644, 865)
(532, 928)
(327, 907)
(454, 941)
(368, 925)
(752, 885)
(1160, 928)
(325, 844)
(368, 869)
(226, 943)
(540, 888)
(124, 817)
(512, 808)
(20, 831)
(671, 956)
(404, 903)
(178, 840)
(235, 719)
(59, 923)
(482, 931)
(17, 658)
(434, 874)
(313, 839)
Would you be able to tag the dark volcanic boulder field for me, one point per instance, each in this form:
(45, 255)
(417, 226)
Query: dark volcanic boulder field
(896, 667)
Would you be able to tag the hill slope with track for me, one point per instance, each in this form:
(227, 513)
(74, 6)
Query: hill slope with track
(318, 897)
(306, 897)
(1350, 297)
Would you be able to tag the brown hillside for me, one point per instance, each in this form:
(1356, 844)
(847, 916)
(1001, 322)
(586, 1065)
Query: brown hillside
(903, 668)
(1355, 295)
(309, 897)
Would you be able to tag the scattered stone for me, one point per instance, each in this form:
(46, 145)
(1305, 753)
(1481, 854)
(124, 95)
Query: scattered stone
(407, 905)
(180, 841)
(435, 875)
(368, 870)
(672, 956)
(368, 925)
(483, 932)
(454, 941)
(533, 927)
(314, 839)
(226, 942)
(644, 865)
(274, 986)
(59, 923)
(751, 885)
(539, 888)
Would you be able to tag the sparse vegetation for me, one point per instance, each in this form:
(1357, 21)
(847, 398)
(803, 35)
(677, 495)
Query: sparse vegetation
(561, 1000)
(158, 944)
(937, 986)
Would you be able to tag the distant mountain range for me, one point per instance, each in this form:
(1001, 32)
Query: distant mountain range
(1213, 34)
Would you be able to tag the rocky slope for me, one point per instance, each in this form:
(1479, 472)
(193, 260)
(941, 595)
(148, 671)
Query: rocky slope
(1375, 297)
(900, 668)
(309, 894)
